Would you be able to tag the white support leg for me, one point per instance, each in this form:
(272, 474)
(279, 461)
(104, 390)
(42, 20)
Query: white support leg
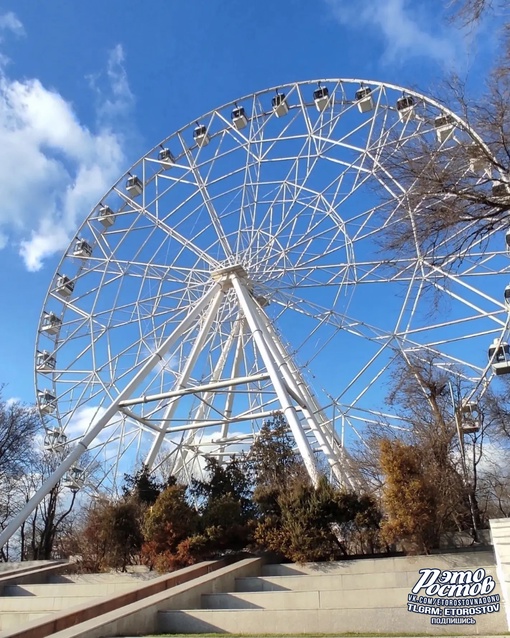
(298, 388)
(87, 439)
(312, 410)
(185, 376)
(204, 407)
(250, 312)
(235, 371)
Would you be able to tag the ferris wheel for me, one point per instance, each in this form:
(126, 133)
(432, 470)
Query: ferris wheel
(239, 270)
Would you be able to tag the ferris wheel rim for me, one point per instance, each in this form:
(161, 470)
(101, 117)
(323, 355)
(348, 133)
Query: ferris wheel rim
(436, 103)
(179, 133)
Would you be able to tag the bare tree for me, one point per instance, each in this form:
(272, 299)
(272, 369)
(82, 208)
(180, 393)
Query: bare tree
(55, 515)
(470, 12)
(40, 536)
(456, 194)
(447, 207)
(453, 453)
(46, 522)
(18, 426)
(490, 460)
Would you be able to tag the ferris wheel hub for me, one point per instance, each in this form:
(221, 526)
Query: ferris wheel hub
(224, 275)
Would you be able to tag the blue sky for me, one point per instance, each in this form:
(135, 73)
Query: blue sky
(87, 88)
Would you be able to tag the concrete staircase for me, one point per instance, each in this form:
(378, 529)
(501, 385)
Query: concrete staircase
(98, 605)
(244, 596)
(366, 595)
(21, 604)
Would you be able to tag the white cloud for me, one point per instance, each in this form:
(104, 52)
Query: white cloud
(84, 419)
(53, 168)
(117, 100)
(405, 31)
(493, 461)
(9, 22)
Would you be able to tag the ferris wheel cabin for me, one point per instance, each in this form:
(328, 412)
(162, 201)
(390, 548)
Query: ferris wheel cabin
(477, 161)
(201, 136)
(444, 125)
(45, 362)
(64, 286)
(364, 99)
(106, 216)
(499, 357)
(470, 418)
(405, 107)
(507, 296)
(500, 188)
(51, 323)
(166, 157)
(47, 401)
(134, 186)
(321, 97)
(507, 241)
(54, 440)
(74, 479)
(82, 249)
(279, 104)
(238, 117)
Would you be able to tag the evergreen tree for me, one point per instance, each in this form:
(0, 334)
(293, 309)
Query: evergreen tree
(170, 522)
(143, 486)
(231, 481)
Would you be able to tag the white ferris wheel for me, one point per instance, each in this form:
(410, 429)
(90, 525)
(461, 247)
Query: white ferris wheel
(238, 271)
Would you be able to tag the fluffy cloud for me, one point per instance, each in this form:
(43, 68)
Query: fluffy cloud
(83, 420)
(53, 168)
(406, 33)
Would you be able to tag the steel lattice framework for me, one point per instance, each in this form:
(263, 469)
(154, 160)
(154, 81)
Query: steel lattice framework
(240, 263)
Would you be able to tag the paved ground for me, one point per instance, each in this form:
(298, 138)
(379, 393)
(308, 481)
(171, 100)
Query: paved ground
(317, 636)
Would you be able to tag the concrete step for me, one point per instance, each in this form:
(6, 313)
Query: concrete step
(8, 568)
(13, 619)
(47, 604)
(33, 572)
(331, 599)
(316, 621)
(68, 589)
(94, 578)
(338, 581)
(455, 561)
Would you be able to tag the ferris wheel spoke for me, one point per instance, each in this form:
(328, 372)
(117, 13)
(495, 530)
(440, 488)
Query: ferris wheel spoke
(252, 174)
(336, 320)
(188, 245)
(202, 188)
(287, 183)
